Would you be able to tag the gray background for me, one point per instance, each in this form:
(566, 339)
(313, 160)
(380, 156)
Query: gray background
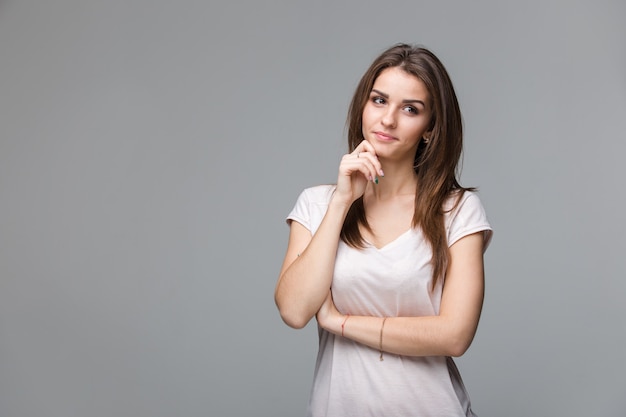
(150, 150)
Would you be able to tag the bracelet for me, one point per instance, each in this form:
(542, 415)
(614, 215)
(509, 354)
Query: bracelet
(380, 344)
(344, 323)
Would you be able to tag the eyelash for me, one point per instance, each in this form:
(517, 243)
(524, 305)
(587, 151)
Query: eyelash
(380, 100)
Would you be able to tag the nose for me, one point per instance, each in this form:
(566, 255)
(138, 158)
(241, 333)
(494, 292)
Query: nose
(389, 118)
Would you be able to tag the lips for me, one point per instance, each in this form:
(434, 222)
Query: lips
(385, 137)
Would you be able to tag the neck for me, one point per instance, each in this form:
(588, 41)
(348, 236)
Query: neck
(399, 179)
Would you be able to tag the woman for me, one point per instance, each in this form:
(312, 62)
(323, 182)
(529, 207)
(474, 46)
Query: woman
(390, 259)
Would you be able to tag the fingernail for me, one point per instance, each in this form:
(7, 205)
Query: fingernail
(376, 180)
(382, 174)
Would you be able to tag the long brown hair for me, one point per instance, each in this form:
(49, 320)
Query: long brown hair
(436, 162)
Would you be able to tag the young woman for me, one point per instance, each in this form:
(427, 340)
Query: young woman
(390, 259)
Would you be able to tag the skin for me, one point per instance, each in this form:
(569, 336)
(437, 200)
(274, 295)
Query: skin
(395, 120)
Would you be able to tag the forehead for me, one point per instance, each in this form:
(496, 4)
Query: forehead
(401, 85)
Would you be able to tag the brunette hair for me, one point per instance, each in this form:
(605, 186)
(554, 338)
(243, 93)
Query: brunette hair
(436, 162)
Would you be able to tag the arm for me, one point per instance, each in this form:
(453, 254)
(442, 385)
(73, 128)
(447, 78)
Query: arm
(307, 270)
(309, 263)
(448, 334)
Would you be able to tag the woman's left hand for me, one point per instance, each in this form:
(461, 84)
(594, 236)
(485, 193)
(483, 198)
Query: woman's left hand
(328, 317)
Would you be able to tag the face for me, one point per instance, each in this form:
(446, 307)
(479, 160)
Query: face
(397, 115)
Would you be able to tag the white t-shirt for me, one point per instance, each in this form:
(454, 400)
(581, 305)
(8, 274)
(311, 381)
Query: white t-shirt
(394, 280)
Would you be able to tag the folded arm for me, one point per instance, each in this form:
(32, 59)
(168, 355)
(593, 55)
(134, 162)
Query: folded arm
(448, 334)
(307, 271)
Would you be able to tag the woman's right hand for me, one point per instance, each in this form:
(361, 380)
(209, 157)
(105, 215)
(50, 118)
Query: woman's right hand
(355, 171)
(307, 273)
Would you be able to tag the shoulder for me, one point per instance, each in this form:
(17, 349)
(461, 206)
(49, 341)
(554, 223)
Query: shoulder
(462, 201)
(311, 206)
(320, 194)
(465, 214)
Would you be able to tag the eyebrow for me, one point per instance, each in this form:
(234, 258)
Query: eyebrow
(407, 101)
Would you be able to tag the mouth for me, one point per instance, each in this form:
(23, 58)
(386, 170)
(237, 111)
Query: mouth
(384, 137)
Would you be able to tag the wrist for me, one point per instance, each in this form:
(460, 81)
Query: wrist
(340, 203)
(337, 325)
(331, 323)
(343, 324)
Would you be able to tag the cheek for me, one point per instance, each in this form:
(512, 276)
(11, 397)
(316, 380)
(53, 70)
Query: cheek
(418, 129)
(366, 116)
(368, 120)
(371, 113)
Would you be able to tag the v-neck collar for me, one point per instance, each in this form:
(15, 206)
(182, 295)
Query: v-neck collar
(390, 243)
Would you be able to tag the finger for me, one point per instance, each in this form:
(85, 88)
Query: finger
(367, 150)
(373, 159)
(365, 146)
(363, 164)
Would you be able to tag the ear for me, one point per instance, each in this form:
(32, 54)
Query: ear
(426, 136)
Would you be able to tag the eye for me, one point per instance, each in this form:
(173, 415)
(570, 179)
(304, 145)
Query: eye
(378, 100)
(411, 109)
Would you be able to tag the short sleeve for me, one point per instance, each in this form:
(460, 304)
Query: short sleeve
(311, 206)
(300, 211)
(467, 218)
